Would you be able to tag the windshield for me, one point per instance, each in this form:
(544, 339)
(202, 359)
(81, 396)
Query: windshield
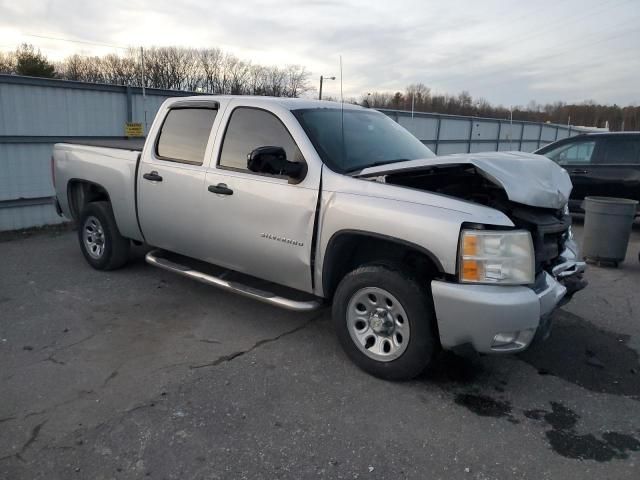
(369, 138)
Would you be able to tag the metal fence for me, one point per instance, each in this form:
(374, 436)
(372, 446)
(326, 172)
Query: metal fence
(447, 134)
(35, 113)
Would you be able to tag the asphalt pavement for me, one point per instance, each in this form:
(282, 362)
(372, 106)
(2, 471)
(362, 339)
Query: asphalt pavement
(139, 373)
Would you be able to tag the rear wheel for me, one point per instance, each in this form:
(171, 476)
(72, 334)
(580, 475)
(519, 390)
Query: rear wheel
(385, 322)
(100, 240)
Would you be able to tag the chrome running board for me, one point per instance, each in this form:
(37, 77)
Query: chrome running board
(156, 259)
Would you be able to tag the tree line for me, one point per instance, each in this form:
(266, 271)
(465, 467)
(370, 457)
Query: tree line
(211, 70)
(588, 113)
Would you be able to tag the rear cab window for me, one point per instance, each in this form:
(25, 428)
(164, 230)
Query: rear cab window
(184, 135)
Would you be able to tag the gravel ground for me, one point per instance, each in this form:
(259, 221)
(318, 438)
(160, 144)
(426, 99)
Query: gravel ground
(139, 373)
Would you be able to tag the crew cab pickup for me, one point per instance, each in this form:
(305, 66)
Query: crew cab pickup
(299, 203)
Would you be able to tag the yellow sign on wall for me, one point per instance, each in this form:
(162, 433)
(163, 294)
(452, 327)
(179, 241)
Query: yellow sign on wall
(133, 130)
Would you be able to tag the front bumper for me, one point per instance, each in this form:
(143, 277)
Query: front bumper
(501, 318)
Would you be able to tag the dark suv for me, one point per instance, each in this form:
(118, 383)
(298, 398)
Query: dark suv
(600, 164)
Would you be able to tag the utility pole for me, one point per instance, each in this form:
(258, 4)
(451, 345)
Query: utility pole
(413, 102)
(511, 127)
(321, 80)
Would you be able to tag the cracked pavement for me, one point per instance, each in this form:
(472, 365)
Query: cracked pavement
(139, 373)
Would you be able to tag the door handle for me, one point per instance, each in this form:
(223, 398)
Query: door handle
(220, 189)
(153, 176)
(579, 171)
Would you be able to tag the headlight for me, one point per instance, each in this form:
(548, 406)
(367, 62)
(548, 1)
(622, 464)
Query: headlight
(491, 256)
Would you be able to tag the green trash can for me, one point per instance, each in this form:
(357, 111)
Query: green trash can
(607, 227)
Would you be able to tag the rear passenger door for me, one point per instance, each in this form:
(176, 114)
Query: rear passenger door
(171, 178)
(617, 170)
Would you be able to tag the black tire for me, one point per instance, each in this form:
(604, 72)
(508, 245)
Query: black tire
(115, 251)
(414, 297)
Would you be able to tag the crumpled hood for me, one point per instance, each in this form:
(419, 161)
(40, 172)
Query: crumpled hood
(525, 177)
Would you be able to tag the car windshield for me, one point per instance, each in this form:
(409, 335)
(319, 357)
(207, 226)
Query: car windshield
(355, 139)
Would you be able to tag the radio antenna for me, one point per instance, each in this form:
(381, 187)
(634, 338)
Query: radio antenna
(342, 116)
(341, 97)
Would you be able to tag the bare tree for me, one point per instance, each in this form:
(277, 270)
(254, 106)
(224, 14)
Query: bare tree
(587, 113)
(176, 68)
(257, 80)
(81, 68)
(119, 70)
(238, 74)
(7, 62)
(298, 80)
(210, 60)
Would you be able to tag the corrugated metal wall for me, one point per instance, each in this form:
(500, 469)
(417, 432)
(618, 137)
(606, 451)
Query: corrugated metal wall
(35, 113)
(447, 134)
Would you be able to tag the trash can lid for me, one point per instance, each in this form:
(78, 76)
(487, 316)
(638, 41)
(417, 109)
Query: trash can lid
(612, 200)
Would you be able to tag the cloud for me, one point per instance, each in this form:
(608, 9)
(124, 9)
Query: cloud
(507, 52)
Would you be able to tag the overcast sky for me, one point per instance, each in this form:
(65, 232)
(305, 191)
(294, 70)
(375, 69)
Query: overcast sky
(508, 52)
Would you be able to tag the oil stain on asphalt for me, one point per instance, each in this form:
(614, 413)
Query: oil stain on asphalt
(569, 356)
(486, 406)
(562, 435)
(581, 353)
(565, 441)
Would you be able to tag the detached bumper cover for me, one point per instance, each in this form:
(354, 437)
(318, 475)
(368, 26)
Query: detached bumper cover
(488, 316)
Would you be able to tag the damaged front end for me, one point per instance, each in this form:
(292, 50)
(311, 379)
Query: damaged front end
(556, 252)
(506, 318)
(550, 226)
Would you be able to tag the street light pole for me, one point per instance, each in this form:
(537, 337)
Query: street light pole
(321, 80)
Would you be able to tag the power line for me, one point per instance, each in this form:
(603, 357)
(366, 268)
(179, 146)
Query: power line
(565, 21)
(545, 58)
(86, 42)
(577, 42)
(520, 39)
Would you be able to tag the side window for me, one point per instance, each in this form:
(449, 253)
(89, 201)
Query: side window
(250, 128)
(578, 153)
(184, 135)
(622, 151)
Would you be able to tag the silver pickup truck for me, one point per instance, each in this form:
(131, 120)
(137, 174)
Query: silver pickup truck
(297, 203)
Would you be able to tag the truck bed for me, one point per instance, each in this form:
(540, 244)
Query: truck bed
(132, 144)
(112, 165)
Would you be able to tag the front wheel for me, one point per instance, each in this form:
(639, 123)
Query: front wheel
(100, 240)
(385, 322)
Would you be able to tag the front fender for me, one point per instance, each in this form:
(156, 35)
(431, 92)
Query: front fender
(429, 222)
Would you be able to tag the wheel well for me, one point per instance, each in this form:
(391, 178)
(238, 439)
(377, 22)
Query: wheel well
(347, 251)
(81, 192)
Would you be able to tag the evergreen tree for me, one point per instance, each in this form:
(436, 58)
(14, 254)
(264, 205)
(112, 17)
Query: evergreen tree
(31, 62)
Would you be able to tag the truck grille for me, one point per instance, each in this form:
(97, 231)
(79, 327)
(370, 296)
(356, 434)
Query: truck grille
(549, 230)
